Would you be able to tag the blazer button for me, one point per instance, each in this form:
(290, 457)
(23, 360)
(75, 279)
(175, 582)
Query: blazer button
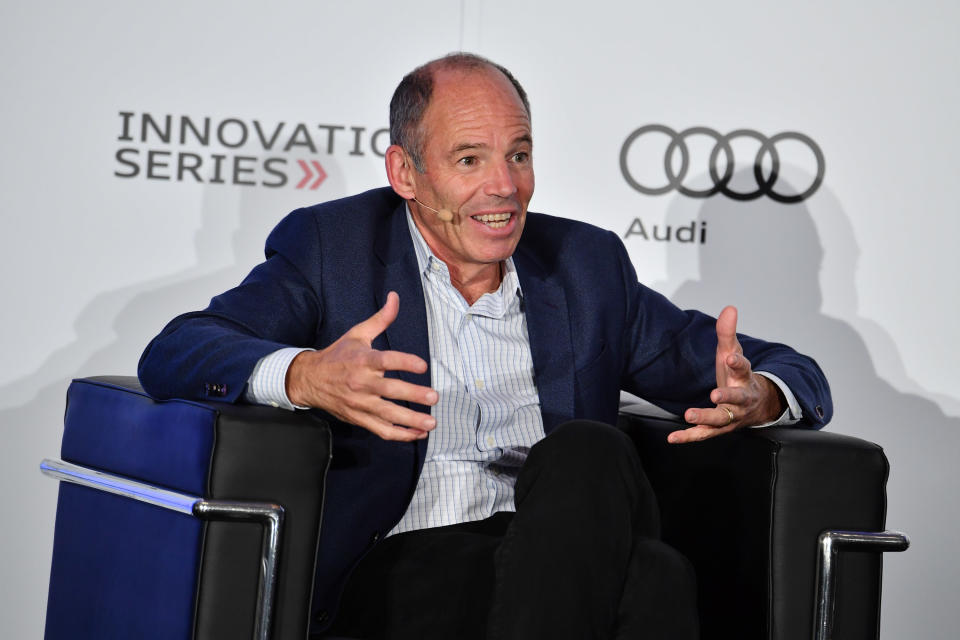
(375, 538)
(819, 411)
(320, 617)
(215, 390)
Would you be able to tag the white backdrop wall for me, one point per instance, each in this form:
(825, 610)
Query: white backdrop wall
(860, 274)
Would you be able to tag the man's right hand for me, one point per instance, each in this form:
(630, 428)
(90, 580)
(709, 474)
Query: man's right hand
(347, 380)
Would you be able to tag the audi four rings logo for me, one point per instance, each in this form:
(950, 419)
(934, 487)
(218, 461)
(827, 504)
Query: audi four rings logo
(721, 172)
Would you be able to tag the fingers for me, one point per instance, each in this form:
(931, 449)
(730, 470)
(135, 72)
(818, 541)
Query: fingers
(757, 402)
(369, 394)
(393, 422)
(384, 417)
(387, 430)
(708, 423)
(398, 434)
(396, 361)
(733, 368)
(371, 410)
(400, 416)
(697, 434)
(403, 391)
(714, 417)
(370, 378)
(736, 370)
(378, 322)
(727, 330)
(731, 395)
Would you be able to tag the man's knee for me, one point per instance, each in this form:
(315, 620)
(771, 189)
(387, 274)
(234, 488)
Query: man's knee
(584, 440)
(660, 594)
(656, 557)
(596, 466)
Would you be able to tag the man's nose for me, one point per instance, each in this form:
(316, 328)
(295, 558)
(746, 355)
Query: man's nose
(500, 181)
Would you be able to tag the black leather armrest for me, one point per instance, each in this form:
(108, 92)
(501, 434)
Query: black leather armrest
(747, 509)
(268, 454)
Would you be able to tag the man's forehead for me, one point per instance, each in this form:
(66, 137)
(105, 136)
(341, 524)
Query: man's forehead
(460, 95)
(455, 82)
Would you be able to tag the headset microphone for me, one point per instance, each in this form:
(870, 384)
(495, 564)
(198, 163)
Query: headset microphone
(444, 214)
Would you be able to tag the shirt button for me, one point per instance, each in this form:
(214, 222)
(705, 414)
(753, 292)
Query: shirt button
(478, 383)
(275, 405)
(490, 440)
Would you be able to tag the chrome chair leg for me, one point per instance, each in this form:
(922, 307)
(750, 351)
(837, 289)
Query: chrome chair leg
(830, 543)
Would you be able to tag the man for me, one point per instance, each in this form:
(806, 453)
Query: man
(467, 352)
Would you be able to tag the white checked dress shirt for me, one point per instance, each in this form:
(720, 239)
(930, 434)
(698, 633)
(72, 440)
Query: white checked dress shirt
(488, 415)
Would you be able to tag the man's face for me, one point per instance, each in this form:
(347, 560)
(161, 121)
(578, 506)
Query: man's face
(478, 164)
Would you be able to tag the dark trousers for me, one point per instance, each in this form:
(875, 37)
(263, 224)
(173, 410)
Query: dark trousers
(579, 559)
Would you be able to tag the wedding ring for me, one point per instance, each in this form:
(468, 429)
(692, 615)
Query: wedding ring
(729, 415)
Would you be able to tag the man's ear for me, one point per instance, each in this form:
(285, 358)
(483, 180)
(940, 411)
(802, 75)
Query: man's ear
(400, 172)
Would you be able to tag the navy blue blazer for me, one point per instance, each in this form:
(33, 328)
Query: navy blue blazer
(594, 330)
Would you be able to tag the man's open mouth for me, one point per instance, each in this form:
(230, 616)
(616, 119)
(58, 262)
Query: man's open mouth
(494, 220)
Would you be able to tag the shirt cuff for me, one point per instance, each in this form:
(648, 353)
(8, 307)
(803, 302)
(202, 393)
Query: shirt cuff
(792, 414)
(267, 384)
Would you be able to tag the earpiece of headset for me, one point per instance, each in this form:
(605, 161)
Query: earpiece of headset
(445, 215)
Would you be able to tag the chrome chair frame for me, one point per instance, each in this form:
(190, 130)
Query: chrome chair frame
(268, 515)
(830, 544)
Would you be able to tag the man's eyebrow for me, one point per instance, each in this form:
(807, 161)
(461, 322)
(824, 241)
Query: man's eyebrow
(466, 146)
(469, 146)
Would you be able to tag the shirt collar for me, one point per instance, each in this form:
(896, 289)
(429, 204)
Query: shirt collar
(433, 267)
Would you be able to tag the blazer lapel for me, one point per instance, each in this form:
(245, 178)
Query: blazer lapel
(408, 333)
(545, 306)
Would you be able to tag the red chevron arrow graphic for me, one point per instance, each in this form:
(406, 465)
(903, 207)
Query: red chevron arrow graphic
(308, 174)
(321, 174)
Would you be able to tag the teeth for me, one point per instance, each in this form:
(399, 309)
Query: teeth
(494, 220)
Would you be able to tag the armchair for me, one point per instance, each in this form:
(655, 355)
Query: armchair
(181, 519)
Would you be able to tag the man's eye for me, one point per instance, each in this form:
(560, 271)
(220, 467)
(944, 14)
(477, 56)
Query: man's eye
(467, 161)
(521, 156)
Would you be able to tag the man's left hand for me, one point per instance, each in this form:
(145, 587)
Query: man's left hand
(743, 398)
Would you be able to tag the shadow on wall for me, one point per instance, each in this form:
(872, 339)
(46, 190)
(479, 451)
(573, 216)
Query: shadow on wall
(122, 321)
(111, 332)
(768, 259)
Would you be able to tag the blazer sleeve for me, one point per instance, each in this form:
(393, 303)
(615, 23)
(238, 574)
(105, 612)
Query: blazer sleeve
(669, 355)
(210, 354)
